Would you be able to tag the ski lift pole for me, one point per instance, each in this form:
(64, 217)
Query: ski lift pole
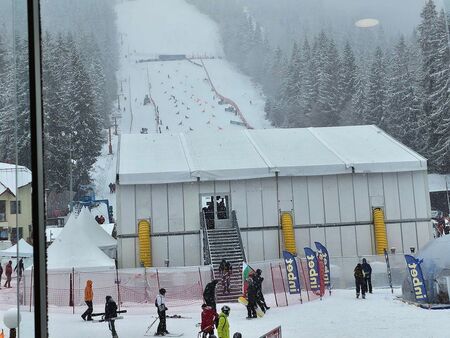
(118, 283)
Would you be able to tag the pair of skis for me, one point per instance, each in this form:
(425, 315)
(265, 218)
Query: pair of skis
(167, 334)
(106, 320)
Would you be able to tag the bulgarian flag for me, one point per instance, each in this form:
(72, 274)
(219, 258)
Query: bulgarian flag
(245, 274)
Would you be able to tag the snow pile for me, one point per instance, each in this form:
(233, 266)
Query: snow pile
(76, 248)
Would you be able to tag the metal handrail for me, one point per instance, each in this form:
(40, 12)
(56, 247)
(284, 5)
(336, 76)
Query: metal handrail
(234, 222)
(206, 248)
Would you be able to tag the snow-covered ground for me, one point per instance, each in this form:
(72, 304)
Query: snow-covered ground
(180, 89)
(340, 315)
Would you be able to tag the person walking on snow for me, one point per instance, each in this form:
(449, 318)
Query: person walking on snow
(8, 273)
(160, 304)
(209, 295)
(223, 328)
(19, 269)
(367, 269)
(111, 315)
(225, 271)
(257, 279)
(209, 316)
(88, 297)
(359, 281)
(251, 298)
(1, 273)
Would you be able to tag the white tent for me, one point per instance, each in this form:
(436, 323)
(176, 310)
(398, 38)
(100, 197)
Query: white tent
(25, 250)
(87, 224)
(74, 248)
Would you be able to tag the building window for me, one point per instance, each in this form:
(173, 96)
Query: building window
(13, 207)
(4, 234)
(2, 211)
(14, 238)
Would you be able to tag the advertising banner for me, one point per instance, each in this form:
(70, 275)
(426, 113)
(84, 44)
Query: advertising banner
(415, 271)
(291, 273)
(313, 270)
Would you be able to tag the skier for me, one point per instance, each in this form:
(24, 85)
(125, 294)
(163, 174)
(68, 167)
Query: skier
(1, 273)
(225, 271)
(88, 297)
(251, 298)
(209, 295)
(367, 275)
(223, 328)
(8, 273)
(19, 268)
(111, 315)
(209, 316)
(160, 303)
(257, 279)
(359, 281)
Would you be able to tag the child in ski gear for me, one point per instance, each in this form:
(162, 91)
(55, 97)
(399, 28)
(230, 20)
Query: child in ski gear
(209, 295)
(257, 279)
(367, 275)
(209, 316)
(359, 281)
(110, 314)
(251, 298)
(225, 271)
(88, 297)
(8, 273)
(160, 304)
(223, 329)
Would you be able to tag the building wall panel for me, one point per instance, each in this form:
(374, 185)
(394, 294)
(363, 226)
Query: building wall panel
(363, 211)
(127, 216)
(254, 203)
(406, 195)
(301, 202)
(317, 235)
(364, 240)
(192, 253)
(333, 242)
(127, 252)
(331, 199)
(143, 201)
(315, 195)
(348, 234)
(269, 202)
(285, 193)
(303, 239)
(424, 233)
(391, 196)
(239, 201)
(176, 250)
(395, 237)
(191, 206)
(421, 194)
(255, 246)
(175, 207)
(409, 235)
(159, 250)
(222, 187)
(159, 208)
(346, 198)
(270, 244)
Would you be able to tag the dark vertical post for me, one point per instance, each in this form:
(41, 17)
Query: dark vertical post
(273, 285)
(37, 168)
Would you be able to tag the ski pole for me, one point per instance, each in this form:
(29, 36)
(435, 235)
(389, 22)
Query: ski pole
(148, 329)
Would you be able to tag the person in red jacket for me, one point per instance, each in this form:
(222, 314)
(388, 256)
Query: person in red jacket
(209, 316)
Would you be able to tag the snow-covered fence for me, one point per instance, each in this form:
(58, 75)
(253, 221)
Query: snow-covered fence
(184, 285)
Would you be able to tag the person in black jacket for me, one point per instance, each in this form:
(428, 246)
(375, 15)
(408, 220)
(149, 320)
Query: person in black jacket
(209, 295)
(111, 314)
(367, 269)
(225, 271)
(251, 298)
(160, 303)
(257, 279)
(359, 281)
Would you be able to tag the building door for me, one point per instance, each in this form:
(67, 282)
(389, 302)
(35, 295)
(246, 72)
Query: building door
(216, 210)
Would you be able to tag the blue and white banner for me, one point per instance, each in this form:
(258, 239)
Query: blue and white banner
(321, 250)
(415, 271)
(313, 269)
(292, 272)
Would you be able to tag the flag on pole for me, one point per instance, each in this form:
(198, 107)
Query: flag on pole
(245, 274)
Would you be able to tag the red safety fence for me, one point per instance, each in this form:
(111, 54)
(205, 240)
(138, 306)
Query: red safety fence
(275, 333)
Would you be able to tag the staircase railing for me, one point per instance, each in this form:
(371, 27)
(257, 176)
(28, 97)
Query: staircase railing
(235, 224)
(206, 249)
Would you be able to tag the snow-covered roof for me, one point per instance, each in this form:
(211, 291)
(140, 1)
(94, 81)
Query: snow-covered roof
(25, 250)
(98, 235)
(8, 177)
(74, 248)
(437, 182)
(245, 154)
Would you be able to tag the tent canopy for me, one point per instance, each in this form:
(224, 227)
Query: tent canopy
(25, 250)
(245, 154)
(8, 177)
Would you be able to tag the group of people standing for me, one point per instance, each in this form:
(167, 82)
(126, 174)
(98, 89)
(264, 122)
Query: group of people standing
(255, 295)
(363, 278)
(19, 268)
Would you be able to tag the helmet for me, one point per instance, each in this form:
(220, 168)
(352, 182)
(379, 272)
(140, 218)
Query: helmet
(258, 272)
(237, 335)
(162, 291)
(108, 298)
(226, 309)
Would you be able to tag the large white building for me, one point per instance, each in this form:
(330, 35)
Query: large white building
(330, 179)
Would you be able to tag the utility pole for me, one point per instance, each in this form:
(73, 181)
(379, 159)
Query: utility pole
(110, 145)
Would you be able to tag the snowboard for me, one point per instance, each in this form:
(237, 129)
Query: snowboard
(105, 320)
(244, 301)
(167, 335)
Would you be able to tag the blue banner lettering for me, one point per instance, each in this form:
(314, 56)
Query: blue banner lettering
(415, 271)
(292, 272)
(321, 250)
(313, 269)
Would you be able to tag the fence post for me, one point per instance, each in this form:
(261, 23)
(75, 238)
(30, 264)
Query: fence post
(304, 278)
(72, 291)
(284, 287)
(273, 285)
(201, 283)
(157, 279)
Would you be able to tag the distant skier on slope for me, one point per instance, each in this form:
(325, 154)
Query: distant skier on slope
(359, 281)
(160, 303)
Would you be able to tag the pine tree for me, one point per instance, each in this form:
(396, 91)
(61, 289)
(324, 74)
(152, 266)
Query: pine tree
(347, 84)
(376, 94)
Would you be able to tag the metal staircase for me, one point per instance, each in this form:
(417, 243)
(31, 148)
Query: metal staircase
(226, 243)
